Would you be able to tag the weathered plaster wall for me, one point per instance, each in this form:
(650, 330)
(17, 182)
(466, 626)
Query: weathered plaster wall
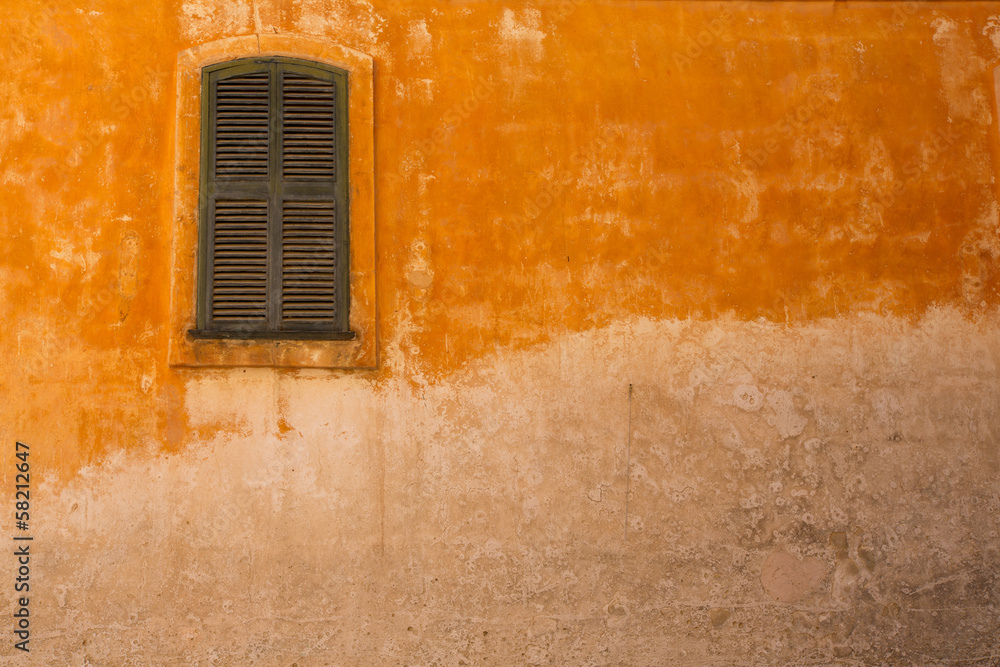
(688, 335)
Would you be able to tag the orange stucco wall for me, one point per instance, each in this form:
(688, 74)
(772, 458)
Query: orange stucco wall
(791, 203)
(539, 170)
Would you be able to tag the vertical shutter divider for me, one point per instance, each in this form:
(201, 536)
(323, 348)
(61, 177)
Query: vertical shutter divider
(205, 200)
(342, 197)
(275, 195)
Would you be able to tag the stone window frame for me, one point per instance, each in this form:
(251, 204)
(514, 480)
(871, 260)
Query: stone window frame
(187, 351)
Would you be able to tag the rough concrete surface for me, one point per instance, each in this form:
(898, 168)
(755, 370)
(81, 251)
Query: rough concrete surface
(784, 496)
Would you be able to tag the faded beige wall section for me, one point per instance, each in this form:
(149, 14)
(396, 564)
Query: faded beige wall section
(687, 344)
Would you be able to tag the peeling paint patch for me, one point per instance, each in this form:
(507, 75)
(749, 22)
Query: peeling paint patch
(202, 20)
(521, 34)
(350, 22)
(961, 73)
(788, 579)
(419, 40)
(785, 418)
(992, 30)
(68, 252)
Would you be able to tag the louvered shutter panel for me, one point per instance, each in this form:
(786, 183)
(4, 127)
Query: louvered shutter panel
(241, 127)
(309, 240)
(239, 262)
(275, 201)
(308, 127)
(308, 262)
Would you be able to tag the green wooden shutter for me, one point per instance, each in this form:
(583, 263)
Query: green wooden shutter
(274, 225)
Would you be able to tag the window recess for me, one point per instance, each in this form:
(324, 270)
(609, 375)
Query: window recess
(273, 234)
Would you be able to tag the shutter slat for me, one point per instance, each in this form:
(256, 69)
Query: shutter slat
(308, 261)
(241, 130)
(239, 264)
(308, 128)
